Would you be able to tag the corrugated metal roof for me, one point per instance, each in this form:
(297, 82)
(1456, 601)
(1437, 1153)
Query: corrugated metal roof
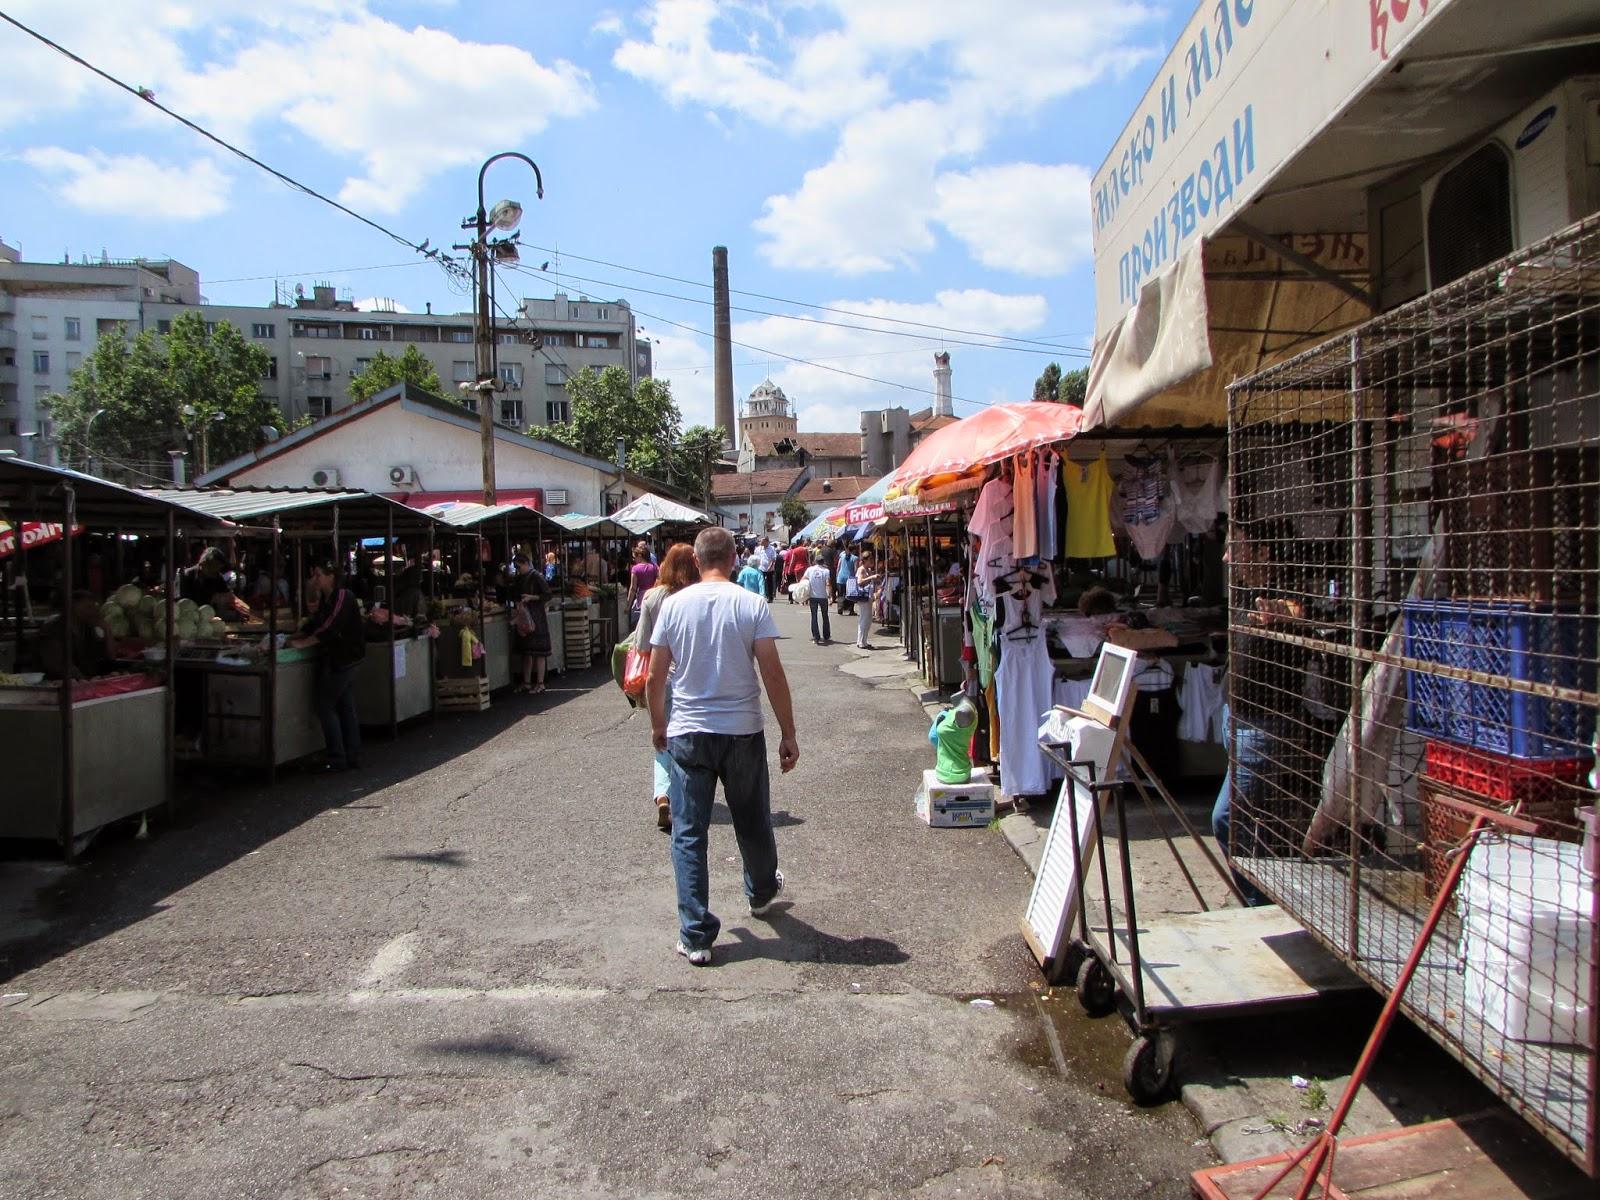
(593, 526)
(464, 514)
(247, 503)
(24, 487)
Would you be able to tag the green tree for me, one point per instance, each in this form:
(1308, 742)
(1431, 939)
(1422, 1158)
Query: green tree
(794, 513)
(699, 447)
(1074, 387)
(194, 389)
(1046, 386)
(385, 370)
(607, 408)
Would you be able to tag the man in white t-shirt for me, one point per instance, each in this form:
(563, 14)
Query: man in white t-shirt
(819, 583)
(712, 638)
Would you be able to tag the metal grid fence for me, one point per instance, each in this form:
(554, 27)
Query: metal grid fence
(1415, 601)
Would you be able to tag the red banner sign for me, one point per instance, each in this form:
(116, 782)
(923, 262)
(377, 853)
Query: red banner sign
(34, 533)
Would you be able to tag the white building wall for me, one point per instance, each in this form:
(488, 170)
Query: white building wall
(446, 458)
(40, 325)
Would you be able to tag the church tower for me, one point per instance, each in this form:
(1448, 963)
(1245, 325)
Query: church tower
(766, 418)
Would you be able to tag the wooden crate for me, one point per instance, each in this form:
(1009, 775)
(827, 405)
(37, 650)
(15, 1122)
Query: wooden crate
(467, 694)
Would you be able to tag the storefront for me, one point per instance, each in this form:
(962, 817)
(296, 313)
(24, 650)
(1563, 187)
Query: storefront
(1360, 237)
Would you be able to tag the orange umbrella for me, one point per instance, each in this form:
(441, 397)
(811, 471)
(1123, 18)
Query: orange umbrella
(995, 433)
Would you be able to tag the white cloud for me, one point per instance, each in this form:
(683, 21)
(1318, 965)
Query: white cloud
(404, 103)
(132, 185)
(917, 91)
(1020, 217)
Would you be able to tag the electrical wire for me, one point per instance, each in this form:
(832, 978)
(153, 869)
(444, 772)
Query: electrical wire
(941, 339)
(323, 273)
(940, 330)
(445, 261)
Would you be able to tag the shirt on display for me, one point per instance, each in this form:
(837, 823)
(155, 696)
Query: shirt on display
(1144, 506)
(1088, 487)
(1025, 526)
(1197, 492)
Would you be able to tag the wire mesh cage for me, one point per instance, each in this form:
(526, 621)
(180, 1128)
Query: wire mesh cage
(1414, 605)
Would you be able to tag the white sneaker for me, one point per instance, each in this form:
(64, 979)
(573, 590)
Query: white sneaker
(761, 910)
(697, 958)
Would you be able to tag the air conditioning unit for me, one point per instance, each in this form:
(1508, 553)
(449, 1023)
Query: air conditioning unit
(325, 477)
(555, 497)
(403, 477)
(1535, 175)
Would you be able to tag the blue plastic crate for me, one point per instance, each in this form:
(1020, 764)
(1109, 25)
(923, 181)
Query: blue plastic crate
(1514, 639)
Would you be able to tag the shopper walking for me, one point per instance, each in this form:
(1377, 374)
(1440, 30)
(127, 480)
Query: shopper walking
(338, 628)
(750, 578)
(678, 571)
(867, 578)
(819, 582)
(844, 580)
(708, 644)
(641, 578)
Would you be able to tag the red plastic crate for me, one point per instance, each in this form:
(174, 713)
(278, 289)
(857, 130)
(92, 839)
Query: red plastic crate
(1535, 782)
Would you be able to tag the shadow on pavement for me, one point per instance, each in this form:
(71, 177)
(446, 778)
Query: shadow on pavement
(222, 815)
(800, 942)
(506, 1046)
(431, 858)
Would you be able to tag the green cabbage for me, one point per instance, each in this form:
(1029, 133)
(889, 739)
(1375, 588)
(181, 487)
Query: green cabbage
(128, 596)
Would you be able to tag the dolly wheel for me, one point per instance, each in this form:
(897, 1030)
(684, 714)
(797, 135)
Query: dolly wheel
(1097, 991)
(1072, 960)
(1147, 1068)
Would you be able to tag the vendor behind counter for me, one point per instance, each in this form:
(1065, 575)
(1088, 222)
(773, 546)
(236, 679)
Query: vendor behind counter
(205, 583)
(90, 656)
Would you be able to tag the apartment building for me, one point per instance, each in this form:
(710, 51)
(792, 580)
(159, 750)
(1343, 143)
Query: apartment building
(52, 313)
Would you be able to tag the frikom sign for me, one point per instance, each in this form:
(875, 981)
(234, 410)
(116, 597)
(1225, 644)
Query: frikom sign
(1248, 85)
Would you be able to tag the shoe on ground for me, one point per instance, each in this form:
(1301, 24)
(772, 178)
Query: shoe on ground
(663, 814)
(697, 958)
(762, 909)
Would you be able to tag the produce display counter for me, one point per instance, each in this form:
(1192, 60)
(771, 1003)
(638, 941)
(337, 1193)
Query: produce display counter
(237, 701)
(411, 665)
(497, 648)
(119, 758)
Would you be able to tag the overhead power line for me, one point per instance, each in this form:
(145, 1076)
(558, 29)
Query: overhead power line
(938, 330)
(145, 94)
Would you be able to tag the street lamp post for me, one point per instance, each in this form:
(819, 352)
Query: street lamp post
(505, 216)
(93, 463)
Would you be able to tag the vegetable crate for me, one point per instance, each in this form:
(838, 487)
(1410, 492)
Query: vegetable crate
(464, 694)
(1516, 640)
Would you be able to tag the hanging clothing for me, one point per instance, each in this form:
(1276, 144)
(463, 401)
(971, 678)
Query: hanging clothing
(1045, 480)
(1200, 703)
(1025, 524)
(1197, 492)
(1071, 693)
(1144, 506)
(1088, 487)
(982, 624)
(1024, 682)
(992, 522)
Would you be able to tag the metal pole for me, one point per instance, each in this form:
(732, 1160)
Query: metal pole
(484, 336)
(269, 732)
(388, 584)
(69, 772)
(170, 575)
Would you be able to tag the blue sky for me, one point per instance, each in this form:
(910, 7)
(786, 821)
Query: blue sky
(925, 160)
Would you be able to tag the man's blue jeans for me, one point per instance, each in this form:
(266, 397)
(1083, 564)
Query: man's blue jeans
(740, 762)
(336, 709)
(1249, 762)
(820, 633)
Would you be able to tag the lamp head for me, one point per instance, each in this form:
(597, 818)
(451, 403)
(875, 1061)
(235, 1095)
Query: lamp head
(506, 215)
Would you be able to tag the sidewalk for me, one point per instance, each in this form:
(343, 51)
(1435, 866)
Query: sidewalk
(1255, 1085)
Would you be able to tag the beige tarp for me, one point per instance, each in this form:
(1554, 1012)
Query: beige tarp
(1215, 317)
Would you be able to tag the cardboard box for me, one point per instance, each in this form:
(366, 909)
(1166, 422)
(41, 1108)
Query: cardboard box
(955, 805)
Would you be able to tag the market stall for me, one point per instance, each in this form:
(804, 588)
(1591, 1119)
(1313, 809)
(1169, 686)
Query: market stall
(661, 519)
(492, 533)
(250, 697)
(600, 548)
(97, 732)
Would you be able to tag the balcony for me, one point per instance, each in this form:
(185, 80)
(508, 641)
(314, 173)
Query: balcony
(8, 375)
(8, 339)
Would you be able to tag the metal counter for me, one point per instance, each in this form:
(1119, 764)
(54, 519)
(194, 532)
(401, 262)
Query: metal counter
(236, 730)
(412, 668)
(119, 752)
(497, 649)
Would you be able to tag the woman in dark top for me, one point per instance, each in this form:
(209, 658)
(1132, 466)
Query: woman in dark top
(530, 628)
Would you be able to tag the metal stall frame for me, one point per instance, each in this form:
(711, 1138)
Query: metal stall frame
(1416, 531)
(112, 506)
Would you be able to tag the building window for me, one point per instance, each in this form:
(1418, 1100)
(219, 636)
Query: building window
(552, 339)
(316, 330)
(260, 330)
(508, 339)
(41, 362)
(557, 412)
(459, 335)
(74, 360)
(462, 372)
(511, 375)
(555, 374)
(41, 328)
(271, 371)
(318, 367)
(107, 325)
(361, 365)
(368, 334)
(605, 314)
(572, 312)
(319, 406)
(511, 412)
(163, 327)
(8, 428)
(74, 329)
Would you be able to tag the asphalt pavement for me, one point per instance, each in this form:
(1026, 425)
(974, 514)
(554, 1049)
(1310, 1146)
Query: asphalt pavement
(453, 974)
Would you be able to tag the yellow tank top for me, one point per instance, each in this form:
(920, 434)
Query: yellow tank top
(1088, 509)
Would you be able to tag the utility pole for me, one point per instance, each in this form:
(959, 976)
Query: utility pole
(505, 216)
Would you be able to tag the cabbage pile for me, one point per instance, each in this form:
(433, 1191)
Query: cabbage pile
(131, 613)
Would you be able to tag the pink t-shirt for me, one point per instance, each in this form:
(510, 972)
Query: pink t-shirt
(644, 578)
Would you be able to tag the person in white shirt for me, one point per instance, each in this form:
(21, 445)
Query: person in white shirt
(819, 583)
(712, 639)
